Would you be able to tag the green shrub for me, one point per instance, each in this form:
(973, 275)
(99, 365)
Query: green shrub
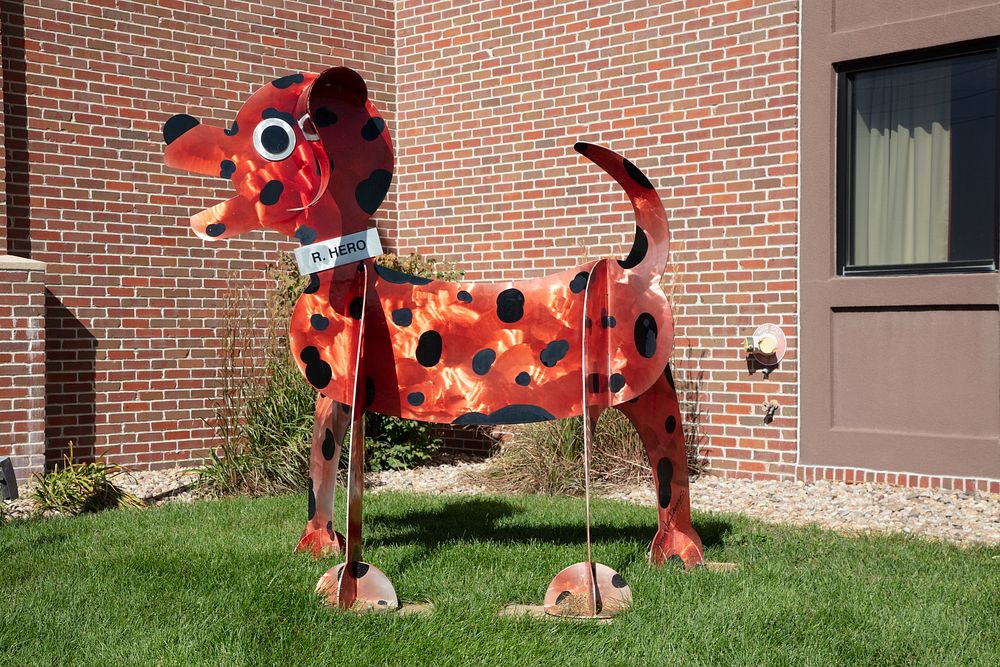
(418, 265)
(265, 416)
(392, 443)
(74, 488)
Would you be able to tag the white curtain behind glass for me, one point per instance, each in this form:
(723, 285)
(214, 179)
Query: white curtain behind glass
(902, 164)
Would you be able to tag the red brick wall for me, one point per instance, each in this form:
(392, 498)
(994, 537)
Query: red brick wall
(700, 95)
(3, 157)
(133, 313)
(485, 100)
(22, 364)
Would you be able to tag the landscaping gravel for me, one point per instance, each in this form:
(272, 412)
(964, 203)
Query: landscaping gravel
(152, 486)
(956, 516)
(960, 517)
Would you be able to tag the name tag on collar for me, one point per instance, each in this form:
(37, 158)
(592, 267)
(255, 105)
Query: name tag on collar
(337, 252)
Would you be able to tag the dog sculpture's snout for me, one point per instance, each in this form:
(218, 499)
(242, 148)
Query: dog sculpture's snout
(178, 125)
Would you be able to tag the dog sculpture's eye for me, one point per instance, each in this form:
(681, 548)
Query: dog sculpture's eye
(274, 139)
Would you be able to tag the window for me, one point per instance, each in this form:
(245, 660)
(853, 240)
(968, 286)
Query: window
(917, 172)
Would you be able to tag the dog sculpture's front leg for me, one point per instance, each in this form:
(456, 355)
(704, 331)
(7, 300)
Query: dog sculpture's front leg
(319, 538)
(657, 417)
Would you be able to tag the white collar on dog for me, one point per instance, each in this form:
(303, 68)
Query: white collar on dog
(347, 249)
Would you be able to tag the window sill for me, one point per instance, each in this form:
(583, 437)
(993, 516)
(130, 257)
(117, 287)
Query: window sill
(945, 268)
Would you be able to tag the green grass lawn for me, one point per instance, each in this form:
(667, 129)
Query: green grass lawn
(215, 583)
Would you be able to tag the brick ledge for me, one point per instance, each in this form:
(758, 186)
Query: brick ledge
(15, 263)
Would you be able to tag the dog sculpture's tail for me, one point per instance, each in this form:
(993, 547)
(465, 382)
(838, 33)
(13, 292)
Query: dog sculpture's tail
(651, 247)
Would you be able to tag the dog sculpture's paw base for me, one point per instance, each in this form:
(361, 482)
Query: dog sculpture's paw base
(587, 590)
(321, 542)
(676, 546)
(357, 586)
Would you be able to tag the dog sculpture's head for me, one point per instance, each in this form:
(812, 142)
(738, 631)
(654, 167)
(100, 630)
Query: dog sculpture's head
(304, 151)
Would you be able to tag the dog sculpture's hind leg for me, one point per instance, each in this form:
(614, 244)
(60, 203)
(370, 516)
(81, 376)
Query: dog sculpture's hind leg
(319, 537)
(656, 415)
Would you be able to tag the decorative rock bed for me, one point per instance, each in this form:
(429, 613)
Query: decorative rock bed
(955, 516)
(959, 517)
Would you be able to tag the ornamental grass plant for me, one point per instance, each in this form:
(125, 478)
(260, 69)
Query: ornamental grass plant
(79, 487)
(263, 415)
(547, 457)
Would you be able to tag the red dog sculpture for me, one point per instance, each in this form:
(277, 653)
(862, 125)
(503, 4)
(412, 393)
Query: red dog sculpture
(311, 157)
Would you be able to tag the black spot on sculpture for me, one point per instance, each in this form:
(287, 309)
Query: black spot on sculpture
(554, 352)
(483, 360)
(287, 81)
(329, 445)
(371, 191)
(271, 193)
(372, 129)
(645, 335)
(429, 348)
(402, 317)
(510, 305)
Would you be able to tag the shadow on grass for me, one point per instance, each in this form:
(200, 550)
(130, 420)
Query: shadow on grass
(43, 540)
(712, 530)
(491, 519)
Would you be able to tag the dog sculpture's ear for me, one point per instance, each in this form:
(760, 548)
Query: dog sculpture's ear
(335, 113)
(339, 83)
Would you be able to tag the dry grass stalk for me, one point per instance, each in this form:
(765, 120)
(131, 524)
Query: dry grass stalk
(547, 457)
(264, 415)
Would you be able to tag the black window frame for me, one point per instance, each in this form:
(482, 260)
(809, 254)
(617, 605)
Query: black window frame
(844, 157)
